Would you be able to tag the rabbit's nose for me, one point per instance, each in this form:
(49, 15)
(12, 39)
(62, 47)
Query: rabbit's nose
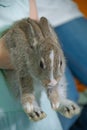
(53, 82)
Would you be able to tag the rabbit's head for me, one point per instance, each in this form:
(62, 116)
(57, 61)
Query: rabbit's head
(46, 59)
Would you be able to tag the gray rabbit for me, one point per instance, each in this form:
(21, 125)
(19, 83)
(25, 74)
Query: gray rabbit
(39, 65)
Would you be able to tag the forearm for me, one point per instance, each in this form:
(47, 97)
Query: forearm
(33, 10)
(4, 56)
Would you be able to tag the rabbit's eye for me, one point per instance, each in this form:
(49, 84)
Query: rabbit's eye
(42, 64)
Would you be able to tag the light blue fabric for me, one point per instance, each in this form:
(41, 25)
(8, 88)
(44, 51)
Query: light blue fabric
(12, 10)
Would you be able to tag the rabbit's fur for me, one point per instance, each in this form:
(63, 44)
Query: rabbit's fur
(37, 58)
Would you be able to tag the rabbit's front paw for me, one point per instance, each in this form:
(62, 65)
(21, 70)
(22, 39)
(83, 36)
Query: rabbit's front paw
(68, 108)
(37, 114)
(34, 112)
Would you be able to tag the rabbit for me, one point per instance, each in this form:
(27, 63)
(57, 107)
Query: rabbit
(39, 65)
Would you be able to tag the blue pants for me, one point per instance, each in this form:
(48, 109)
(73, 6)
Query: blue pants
(73, 39)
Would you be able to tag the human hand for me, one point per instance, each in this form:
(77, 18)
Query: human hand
(4, 56)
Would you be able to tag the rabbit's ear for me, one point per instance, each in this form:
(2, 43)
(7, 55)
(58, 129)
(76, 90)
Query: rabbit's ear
(35, 32)
(47, 29)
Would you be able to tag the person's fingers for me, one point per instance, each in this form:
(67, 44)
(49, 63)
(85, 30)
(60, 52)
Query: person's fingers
(33, 10)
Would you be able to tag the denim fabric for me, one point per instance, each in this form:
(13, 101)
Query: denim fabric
(73, 38)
